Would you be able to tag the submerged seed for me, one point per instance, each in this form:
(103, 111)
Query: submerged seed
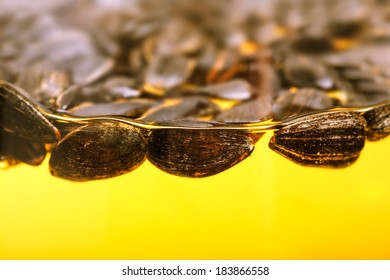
(332, 139)
(198, 152)
(98, 150)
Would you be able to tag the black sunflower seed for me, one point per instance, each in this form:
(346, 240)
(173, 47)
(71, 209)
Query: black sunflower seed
(198, 152)
(22, 117)
(98, 150)
(332, 139)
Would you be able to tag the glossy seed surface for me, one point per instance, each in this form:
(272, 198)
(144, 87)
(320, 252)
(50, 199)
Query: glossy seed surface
(332, 139)
(98, 150)
(198, 153)
(21, 116)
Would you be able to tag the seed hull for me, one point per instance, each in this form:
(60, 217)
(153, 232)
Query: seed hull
(332, 139)
(22, 116)
(198, 153)
(98, 150)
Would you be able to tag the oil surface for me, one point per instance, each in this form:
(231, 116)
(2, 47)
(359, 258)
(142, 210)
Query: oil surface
(266, 207)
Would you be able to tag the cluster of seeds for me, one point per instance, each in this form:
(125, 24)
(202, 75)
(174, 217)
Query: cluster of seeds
(191, 86)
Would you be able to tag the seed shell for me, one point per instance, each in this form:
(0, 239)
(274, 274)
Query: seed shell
(98, 150)
(23, 117)
(332, 139)
(198, 152)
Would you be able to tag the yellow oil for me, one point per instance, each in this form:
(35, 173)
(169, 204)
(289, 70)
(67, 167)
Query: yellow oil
(266, 207)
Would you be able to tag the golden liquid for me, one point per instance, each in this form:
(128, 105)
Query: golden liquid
(266, 207)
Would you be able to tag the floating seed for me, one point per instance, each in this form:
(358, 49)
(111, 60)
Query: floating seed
(332, 139)
(198, 152)
(98, 150)
(21, 116)
(378, 122)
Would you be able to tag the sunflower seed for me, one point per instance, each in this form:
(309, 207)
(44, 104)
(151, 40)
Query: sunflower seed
(332, 139)
(198, 153)
(98, 150)
(23, 117)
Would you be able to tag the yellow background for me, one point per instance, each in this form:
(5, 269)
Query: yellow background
(266, 207)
